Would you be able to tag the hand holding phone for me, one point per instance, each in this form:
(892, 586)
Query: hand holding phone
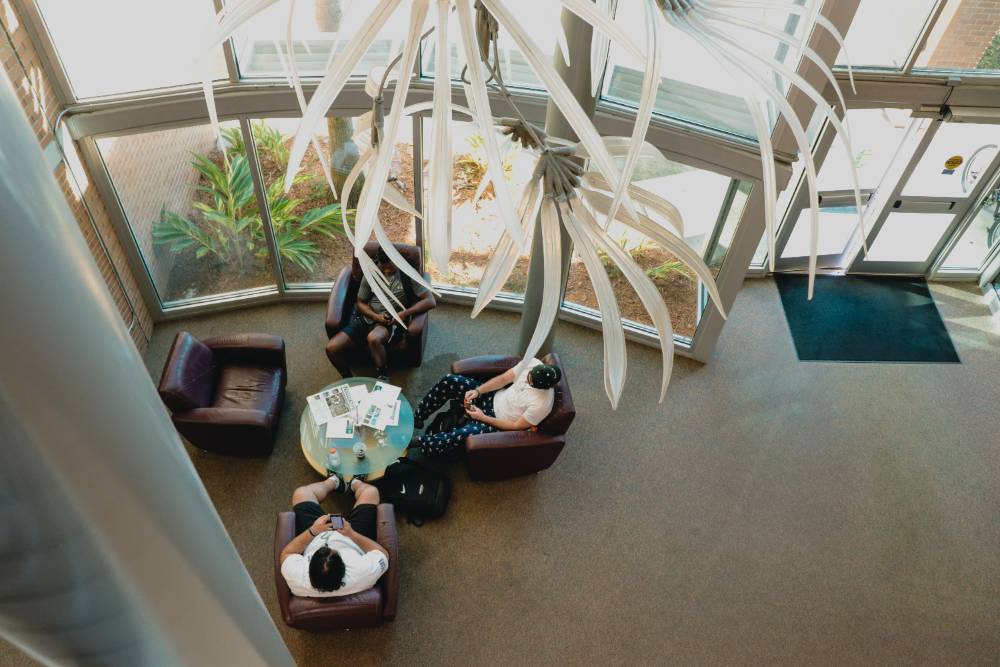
(336, 521)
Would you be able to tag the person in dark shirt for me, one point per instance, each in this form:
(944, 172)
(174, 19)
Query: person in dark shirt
(372, 325)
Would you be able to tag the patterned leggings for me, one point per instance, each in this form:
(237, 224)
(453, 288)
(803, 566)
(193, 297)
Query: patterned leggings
(451, 387)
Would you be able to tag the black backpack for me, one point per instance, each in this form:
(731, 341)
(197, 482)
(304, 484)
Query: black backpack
(416, 491)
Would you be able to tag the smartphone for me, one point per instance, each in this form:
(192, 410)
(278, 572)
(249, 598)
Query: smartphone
(336, 521)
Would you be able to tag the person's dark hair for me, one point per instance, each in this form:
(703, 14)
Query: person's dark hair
(544, 376)
(381, 258)
(326, 570)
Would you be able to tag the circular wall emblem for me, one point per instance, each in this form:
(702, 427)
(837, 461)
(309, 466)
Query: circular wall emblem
(954, 162)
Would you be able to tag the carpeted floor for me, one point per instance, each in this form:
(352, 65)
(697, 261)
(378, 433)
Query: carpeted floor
(770, 511)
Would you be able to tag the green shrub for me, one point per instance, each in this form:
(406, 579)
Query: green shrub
(230, 227)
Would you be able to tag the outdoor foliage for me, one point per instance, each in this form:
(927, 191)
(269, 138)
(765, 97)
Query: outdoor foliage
(230, 226)
(660, 271)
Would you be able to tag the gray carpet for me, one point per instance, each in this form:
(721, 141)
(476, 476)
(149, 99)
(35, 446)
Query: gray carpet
(769, 511)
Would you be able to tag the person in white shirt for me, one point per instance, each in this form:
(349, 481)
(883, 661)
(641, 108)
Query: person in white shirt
(323, 562)
(508, 402)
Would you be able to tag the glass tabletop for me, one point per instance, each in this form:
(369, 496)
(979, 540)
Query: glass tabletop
(381, 447)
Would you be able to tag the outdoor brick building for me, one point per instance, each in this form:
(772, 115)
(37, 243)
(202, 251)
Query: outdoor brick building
(970, 26)
(23, 66)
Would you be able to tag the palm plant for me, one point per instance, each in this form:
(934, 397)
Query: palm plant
(230, 227)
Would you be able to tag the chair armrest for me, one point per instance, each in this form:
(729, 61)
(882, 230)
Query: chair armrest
(385, 531)
(506, 454)
(336, 306)
(508, 440)
(417, 325)
(223, 417)
(252, 347)
(484, 366)
(284, 532)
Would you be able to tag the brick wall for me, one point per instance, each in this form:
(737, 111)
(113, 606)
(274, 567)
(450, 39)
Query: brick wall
(153, 170)
(971, 26)
(41, 103)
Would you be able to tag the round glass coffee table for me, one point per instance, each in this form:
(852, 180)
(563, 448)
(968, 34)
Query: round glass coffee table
(381, 447)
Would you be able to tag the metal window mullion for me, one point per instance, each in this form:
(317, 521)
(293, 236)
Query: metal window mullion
(921, 43)
(734, 269)
(260, 190)
(227, 48)
(841, 14)
(418, 179)
(34, 23)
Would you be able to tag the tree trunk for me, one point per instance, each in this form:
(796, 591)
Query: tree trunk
(343, 151)
(343, 157)
(328, 15)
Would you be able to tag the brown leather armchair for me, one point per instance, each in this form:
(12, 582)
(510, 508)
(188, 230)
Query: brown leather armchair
(406, 351)
(226, 392)
(372, 607)
(506, 454)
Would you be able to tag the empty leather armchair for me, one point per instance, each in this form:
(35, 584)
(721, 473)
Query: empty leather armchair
(405, 351)
(372, 607)
(506, 454)
(225, 393)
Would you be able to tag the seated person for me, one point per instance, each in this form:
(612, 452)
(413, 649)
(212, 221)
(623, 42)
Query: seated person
(323, 562)
(489, 406)
(372, 325)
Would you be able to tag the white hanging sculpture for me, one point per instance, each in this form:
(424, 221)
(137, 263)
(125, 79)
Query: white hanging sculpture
(561, 193)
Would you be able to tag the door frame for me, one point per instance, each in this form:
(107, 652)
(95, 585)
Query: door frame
(896, 202)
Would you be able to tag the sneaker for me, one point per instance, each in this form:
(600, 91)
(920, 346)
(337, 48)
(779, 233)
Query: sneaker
(342, 486)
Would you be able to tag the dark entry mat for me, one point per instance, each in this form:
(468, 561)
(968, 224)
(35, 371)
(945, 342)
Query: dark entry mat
(853, 318)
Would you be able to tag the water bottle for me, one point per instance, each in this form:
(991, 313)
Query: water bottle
(332, 460)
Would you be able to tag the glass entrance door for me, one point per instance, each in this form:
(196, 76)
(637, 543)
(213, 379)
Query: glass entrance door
(934, 193)
(883, 142)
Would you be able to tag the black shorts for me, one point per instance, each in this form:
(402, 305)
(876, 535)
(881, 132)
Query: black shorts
(357, 330)
(362, 518)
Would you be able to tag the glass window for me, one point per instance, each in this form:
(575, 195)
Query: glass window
(836, 227)
(884, 32)
(311, 241)
(703, 198)
(513, 67)
(981, 236)
(700, 91)
(120, 46)
(965, 38)
(322, 28)
(876, 135)
(954, 161)
(716, 256)
(476, 225)
(908, 237)
(193, 213)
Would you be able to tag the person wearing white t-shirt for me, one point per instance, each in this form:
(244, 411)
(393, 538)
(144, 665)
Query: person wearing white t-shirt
(515, 400)
(323, 562)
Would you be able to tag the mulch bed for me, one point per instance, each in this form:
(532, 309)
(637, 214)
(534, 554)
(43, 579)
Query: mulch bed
(191, 277)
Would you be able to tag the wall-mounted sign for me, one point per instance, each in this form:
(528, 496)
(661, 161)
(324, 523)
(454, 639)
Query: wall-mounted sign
(954, 162)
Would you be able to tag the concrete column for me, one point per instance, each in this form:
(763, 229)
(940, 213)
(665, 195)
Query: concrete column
(112, 551)
(577, 77)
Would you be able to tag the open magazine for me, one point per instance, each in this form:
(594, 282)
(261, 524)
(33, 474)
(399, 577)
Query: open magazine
(343, 408)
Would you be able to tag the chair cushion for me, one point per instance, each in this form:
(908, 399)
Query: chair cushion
(248, 387)
(188, 375)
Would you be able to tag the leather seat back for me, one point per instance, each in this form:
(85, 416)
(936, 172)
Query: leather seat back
(563, 411)
(188, 379)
